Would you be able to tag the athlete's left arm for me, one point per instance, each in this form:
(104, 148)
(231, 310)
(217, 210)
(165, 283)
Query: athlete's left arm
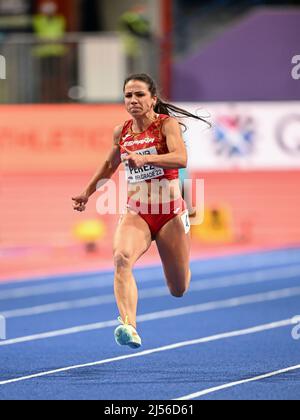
(177, 156)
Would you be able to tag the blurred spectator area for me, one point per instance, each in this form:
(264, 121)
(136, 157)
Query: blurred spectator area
(77, 68)
(80, 58)
(96, 52)
(198, 22)
(247, 59)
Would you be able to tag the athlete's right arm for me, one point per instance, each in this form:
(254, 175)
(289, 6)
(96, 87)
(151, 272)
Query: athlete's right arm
(106, 171)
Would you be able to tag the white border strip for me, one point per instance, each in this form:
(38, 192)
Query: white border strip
(237, 333)
(232, 384)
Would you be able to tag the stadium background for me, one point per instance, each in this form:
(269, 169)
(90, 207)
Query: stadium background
(230, 60)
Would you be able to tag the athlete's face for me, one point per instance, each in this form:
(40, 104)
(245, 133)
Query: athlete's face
(138, 99)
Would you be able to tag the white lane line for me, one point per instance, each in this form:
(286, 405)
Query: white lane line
(232, 384)
(49, 289)
(216, 337)
(96, 282)
(203, 307)
(206, 267)
(196, 286)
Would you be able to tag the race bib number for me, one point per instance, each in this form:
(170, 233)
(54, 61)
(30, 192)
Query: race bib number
(186, 222)
(146, 172)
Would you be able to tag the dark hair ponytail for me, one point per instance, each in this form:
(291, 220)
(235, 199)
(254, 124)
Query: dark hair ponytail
(161, 106)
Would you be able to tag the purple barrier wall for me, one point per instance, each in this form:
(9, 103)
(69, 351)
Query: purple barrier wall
(250, 61)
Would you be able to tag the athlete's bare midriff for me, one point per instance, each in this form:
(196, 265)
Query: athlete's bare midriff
(156, 191)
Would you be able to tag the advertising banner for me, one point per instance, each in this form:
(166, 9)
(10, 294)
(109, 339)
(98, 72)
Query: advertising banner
(54, 138)
(249, 136)
(65, 138)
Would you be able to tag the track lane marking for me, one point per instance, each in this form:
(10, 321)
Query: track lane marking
(233, 384)
(216, 337)
(203, 307)
(204, 284)
(92, 279)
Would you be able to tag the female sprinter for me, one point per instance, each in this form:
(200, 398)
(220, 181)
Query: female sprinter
(152, 149)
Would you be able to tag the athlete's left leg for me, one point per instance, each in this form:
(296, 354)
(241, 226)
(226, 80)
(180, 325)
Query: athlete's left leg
(174, 244)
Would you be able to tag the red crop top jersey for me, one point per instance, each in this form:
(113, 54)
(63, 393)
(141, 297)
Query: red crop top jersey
(152, 141)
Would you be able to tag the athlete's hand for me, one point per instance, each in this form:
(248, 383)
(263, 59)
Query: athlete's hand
(134, 160)
(80, 202)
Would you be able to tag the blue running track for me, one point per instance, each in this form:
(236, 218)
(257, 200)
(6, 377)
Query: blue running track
(232, 336)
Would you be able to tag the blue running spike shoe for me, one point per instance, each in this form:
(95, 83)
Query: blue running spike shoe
(126, 335)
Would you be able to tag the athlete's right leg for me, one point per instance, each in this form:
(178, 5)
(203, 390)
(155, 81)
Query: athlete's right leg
(132, 239)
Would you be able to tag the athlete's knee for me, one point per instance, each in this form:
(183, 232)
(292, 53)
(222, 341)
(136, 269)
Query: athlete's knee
(180, 291)
(122, 260)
